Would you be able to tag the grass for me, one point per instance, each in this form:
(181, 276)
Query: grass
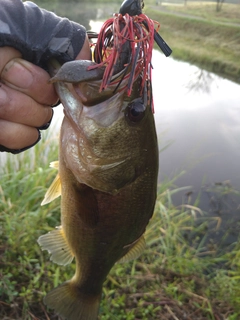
(198, 34)
(207, 10)
(179, 276)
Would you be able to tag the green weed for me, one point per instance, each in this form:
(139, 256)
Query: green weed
(177, 275)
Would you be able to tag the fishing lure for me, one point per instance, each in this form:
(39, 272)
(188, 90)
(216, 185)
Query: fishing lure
(134, 7)
(132, 30)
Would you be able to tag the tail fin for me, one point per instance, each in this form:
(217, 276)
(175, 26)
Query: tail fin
(72, 304)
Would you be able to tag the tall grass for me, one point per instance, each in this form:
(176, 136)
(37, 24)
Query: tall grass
(177, 277)
(207, 43)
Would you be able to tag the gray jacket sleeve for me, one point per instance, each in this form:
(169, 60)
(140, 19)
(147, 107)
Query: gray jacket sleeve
(39, 34)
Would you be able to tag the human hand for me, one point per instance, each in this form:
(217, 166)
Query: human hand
(26, 98)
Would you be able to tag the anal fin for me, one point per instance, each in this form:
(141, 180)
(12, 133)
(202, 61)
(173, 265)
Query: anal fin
(135, 251)
(56, 244)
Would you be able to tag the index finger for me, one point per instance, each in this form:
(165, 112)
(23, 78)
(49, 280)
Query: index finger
(30, 79)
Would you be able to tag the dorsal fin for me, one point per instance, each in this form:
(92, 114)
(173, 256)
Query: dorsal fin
(56, 244)
(135, 251)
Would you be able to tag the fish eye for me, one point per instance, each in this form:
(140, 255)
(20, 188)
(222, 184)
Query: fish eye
(136, 110)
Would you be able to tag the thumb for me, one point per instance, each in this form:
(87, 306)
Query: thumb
(30, 79)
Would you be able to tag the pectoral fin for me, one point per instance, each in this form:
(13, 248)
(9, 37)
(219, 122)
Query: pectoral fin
(135, 251)
(56, 244)
(53, 192)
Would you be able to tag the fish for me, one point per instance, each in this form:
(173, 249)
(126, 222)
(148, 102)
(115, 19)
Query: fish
(107, 177)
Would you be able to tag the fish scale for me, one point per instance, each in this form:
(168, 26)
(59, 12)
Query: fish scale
(107, 179)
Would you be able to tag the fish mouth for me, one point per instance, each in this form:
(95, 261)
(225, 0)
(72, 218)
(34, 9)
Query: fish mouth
(105, 113)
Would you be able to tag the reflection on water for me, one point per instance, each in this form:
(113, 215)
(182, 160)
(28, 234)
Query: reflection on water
(198, 114)
(202, 81)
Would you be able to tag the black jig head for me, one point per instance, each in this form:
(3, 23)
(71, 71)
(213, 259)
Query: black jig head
(134, 8)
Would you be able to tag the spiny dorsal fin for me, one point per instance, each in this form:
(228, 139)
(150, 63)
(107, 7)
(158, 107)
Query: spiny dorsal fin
(135, 251)
(53, 192)
(56, 244)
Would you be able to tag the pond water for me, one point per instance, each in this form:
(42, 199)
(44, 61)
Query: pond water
(197, 117)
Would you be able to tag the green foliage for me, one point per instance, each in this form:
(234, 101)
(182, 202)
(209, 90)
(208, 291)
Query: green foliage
(176, 275)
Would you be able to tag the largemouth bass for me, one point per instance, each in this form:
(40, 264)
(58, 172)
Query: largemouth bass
(108, 167)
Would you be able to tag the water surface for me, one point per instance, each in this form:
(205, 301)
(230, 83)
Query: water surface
(197, 116)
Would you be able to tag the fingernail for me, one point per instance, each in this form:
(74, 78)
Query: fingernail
(16, 151)
(46, 125)
(18, 74)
